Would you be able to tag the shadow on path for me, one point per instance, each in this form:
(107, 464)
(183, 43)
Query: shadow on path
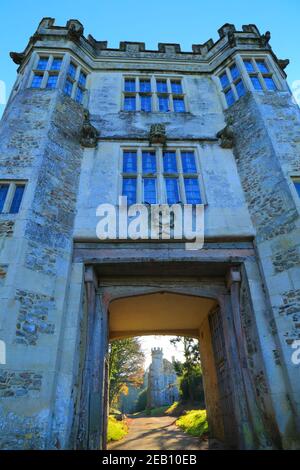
(158, 433)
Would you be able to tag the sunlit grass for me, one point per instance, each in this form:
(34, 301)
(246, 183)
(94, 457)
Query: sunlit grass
(116, 430)
(193, 422)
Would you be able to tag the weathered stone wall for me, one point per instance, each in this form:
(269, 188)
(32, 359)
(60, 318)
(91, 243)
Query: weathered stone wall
(39, 142)
(267, 129)
(42, 317)
(226, 213)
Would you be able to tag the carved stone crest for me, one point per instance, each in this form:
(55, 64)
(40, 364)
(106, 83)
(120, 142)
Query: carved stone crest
(88, 134)
(227, 137)
(157, 134)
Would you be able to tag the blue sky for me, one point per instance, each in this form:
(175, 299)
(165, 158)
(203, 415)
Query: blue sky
(185, 22)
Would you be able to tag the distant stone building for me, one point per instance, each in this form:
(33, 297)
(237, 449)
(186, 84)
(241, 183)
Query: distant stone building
(215, 127)
(162, 381)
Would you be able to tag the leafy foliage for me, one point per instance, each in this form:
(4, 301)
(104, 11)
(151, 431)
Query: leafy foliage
(126, 367)
(194, 422)
(189, 371)
(141, 403)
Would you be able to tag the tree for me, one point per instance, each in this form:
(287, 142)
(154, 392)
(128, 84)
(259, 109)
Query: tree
(189, 371)
(126, 367)
(141, 403)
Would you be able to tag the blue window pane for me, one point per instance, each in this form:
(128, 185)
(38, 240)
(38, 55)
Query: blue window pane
(3, 194)
(72, 70)
(52, 80)
(129, 103)
(235, 73)
(37, 81)
(188, 162)
(178, 105)
(172, 190)
(129, 162)
(192, 191)
(224, 80)
(145, 86)
(240, 89)
(82, 79)
(145, 103)
(163, 104)
(68, 87)
(56, 64)
(249, 66)
(176, 87)
(170, 164)
(256, 83)
(262, 66)
(149, 186)
(130, 84)
(296, 184)
(79, 95)
(42, 63)
(229, 97)
(161, 86)
(270, 83)
(129, 190)
(149, 162)
(16, 202)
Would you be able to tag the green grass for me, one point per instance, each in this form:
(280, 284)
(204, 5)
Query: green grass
(172, 408)
(116, 430)
(193, 422)
(160, 411)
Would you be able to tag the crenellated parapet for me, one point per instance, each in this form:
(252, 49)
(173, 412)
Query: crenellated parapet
(71, 35)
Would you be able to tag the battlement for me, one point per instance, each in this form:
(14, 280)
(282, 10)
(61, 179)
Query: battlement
(51, 35)
(157, 352)
(75, 31)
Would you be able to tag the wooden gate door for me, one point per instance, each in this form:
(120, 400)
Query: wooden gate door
(223, 376)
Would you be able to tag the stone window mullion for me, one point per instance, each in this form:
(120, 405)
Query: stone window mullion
(180, 176)
(9, 197)
(259, 75)
(31, 66)
(62, 76)
(170, 95)
(45, 79)
(160, 178)
(232, 83)
(153, 94)
(244, 74)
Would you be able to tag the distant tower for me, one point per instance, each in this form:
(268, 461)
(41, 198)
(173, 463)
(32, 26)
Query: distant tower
(162, 381)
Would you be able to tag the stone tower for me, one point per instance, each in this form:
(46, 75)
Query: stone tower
(215, 128)
(162, 381)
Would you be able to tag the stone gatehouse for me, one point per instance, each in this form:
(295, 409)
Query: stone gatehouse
(86, 124)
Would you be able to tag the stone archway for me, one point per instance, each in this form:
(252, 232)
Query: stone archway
(130, 307)
(171, 313)
(112, 274)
